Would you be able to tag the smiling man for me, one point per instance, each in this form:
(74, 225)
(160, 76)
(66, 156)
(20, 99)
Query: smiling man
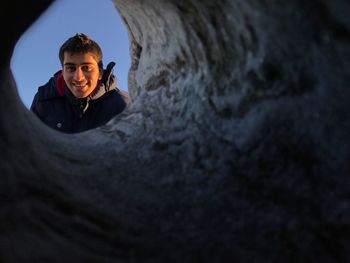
(82, 95)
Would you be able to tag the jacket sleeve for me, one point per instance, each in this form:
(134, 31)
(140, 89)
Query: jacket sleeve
(35, 107)
(34, 102)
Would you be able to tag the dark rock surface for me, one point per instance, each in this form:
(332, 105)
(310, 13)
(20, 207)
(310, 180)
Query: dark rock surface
(236, 147)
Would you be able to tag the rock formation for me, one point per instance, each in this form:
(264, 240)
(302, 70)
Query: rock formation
(236, 146)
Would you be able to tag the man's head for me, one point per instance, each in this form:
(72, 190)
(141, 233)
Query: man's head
(82, 67)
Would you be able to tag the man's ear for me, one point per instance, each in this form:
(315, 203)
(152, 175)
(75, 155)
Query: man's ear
(100, 74)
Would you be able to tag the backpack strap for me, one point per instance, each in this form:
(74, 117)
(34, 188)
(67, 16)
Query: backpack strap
(108, 78)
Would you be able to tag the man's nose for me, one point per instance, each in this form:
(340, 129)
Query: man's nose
(78, 74)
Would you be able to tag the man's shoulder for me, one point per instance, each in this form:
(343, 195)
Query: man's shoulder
(119, 97)
(115, 94)
(52, 88)
(112, 102)
(124, 95)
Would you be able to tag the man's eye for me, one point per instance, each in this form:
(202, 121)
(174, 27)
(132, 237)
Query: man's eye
(87, 68)
(70, 68)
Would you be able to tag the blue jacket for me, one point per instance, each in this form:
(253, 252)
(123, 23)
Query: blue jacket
(57, 107)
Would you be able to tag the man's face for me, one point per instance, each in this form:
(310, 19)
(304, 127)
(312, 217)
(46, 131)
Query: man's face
(81, 73)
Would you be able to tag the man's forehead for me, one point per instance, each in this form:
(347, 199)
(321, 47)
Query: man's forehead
(83, 63)
(79, 58)
(79, 55)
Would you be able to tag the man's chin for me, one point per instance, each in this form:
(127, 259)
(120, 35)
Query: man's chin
(81, 93)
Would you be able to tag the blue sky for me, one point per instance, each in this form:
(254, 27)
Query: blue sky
(35, 58)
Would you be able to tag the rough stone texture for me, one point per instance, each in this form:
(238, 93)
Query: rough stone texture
(236, 147)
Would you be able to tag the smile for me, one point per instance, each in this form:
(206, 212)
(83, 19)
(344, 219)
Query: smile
(80, 86)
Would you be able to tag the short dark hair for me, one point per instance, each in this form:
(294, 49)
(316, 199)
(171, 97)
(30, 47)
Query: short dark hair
(81, 43)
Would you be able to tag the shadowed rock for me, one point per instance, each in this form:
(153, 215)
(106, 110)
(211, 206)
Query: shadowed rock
(235, 148)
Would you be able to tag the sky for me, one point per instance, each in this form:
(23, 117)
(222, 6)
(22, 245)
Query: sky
(35, 57)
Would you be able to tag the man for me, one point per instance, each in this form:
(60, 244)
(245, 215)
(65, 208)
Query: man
(82, 95)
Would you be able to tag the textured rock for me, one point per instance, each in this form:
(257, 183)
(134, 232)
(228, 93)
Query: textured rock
(235, 149)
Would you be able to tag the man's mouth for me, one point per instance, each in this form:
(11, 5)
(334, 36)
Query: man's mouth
(80, 86)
